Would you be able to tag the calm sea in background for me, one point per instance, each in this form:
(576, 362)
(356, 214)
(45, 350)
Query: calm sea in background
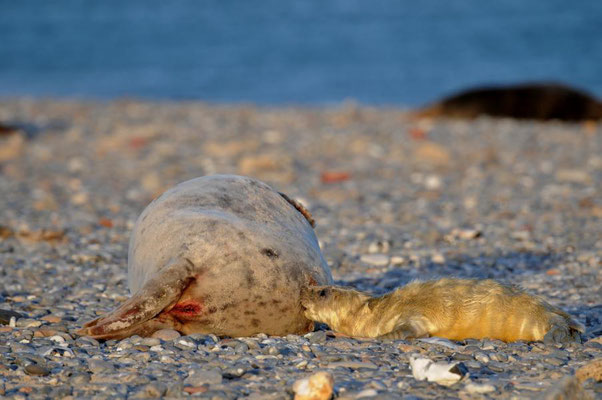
(303, 52)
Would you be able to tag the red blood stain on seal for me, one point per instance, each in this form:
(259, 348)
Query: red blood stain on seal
(188, 308)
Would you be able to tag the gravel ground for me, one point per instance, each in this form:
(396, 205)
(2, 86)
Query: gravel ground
(394, 200)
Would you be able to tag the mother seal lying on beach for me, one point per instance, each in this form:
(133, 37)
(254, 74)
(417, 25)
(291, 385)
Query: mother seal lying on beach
(220, 254)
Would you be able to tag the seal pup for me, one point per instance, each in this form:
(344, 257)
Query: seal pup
(538, 101)
(219, 254)
(455, 309)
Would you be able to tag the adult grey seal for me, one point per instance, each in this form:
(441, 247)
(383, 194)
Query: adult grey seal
(537, 101)
(220, 254)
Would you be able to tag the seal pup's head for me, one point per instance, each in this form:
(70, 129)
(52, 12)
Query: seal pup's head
(332, 305)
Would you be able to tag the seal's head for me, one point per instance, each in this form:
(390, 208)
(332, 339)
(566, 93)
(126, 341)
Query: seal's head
(331, 304)
(316, 299)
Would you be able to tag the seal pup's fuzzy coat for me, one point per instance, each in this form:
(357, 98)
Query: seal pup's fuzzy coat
(450, 308)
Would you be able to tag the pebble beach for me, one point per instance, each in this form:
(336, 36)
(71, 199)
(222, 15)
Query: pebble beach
(395, 199)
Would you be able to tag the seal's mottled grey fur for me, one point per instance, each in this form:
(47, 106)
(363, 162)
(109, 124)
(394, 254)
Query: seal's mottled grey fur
(220, 254)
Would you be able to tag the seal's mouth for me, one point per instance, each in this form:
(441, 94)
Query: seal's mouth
(307, 297)
(303, 298)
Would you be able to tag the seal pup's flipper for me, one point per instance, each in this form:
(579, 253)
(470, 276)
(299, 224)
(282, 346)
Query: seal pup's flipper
(135, 315)
(563, 328)
(414, 328)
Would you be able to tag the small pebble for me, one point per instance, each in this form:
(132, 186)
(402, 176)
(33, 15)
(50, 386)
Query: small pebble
(6, 315)
(465, 234)
(499, 356)
(378, 260)
(496, 366)
(151, 390)
(234, 372)
(379, 247)
(36, 370)
(241, 347)
(475, 388)
(53, 319)
(531, 386)
(353, 365)
(318, 386)
(366, 393)
(316, 337)
(202, 377)
(100, 367)
(165, 334)
(150, 341)
(438, 258)
(28, 323)
(481, 357)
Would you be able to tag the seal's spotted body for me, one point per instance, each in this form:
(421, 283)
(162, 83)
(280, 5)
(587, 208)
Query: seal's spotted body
(221, 254)
(451, 308)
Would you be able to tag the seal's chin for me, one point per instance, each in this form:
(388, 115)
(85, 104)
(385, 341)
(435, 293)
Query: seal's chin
(308, 314)
(304, 297)
(307, 307)
(305, 303)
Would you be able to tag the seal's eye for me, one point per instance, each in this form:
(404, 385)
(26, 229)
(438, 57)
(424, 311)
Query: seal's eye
(323, 293)
(270, 253)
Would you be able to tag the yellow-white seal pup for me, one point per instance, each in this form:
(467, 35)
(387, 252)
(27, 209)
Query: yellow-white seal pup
(450, 308)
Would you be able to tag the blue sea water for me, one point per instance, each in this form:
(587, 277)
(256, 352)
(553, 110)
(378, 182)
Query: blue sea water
(302, 52)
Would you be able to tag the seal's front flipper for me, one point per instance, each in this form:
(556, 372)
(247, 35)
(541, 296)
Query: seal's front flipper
(562, 334)
(92, 323)
(557, 334)
(406, 330)
(134, 316)
(563, 329)
(403, 332)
